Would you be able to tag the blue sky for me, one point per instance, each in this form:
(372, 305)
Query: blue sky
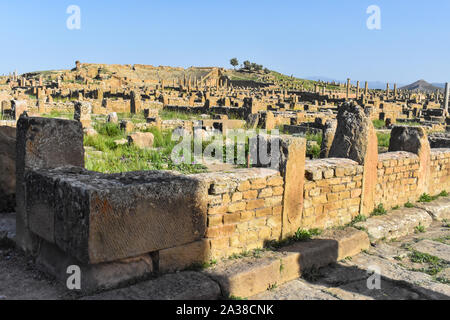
(304, 38)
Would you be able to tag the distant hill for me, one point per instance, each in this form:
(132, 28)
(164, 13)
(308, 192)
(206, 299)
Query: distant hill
(421, 85)
(440, 85)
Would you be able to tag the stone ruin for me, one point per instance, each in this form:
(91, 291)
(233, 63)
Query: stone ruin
(127, 226)
(124, 227)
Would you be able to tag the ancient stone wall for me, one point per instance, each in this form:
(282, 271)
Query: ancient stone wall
(397, 179)
(332, 192)
(244, 210)
(440, 171)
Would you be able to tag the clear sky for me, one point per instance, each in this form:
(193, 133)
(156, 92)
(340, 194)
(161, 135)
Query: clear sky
(304, 38)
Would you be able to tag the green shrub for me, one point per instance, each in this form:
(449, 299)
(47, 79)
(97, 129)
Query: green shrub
(379, 210)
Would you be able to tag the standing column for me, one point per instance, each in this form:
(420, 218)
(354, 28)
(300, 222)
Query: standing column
(348, 88)
(387, 90)
(395, 90)
(357, 89)
(366, 88)
(446, 98)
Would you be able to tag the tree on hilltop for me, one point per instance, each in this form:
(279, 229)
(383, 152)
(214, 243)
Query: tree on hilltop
(234, 62)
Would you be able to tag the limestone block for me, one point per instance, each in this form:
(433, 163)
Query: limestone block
(141, 139)
(43, 143)
(8, 169)
(395, 224)
(98, 217)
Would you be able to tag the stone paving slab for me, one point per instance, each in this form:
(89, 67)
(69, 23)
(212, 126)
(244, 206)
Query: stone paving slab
(249, 276)
(187, 285)
(395, 224)
(439, 209)
(297, 289)
(433, 248)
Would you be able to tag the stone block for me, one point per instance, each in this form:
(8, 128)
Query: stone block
(101, 218)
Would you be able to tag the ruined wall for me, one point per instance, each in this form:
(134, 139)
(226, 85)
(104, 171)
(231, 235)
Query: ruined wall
(440, 171)
(397, 179)
(244, 210)
(332, 192)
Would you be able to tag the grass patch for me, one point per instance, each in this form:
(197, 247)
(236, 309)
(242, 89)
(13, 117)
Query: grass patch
(176, 115)
(396, 208)
(255, 253)
(379, 210)
(419, 229)
(313, 151)
(409, 205)
(124, 158)
(58, 114)
(379, 124)
(236, 298)
(300, 235)
(426, 198)
(383, 139)
(435, 265)
(443, 240)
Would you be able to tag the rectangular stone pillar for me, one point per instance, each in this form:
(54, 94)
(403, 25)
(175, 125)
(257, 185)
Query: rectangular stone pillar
(446, 97)
(348, 89)
(42, 143)
(290, 152)
(414, 140)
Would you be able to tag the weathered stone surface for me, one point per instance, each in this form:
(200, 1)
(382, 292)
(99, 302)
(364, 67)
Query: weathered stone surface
(247, 276)
(141, 139)
(328, 132)
(19, 107)
(434, 248)
(287, 154)
(395, 224)
(418, 282)
(414, 139)
(250, 276)
(8, 169)
(43, 143)
(439, 209)
(112, 117)
(52, 260)
(351, 139)
(292, 169)
(99, 217)
(186, 285)
(350, 241)
(179, 258)
(297, 289)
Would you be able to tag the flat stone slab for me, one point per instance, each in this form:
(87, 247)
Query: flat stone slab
(433, 248)
(250, 276)
(439, 209)
(395, 224)
(418, 282)
(186, 285)
(297, 289)
(97, 217)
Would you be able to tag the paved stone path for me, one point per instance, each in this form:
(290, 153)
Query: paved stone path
(416, 266)
(412, 267)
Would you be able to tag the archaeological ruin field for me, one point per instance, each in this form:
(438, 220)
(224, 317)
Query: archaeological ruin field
(161, 182)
